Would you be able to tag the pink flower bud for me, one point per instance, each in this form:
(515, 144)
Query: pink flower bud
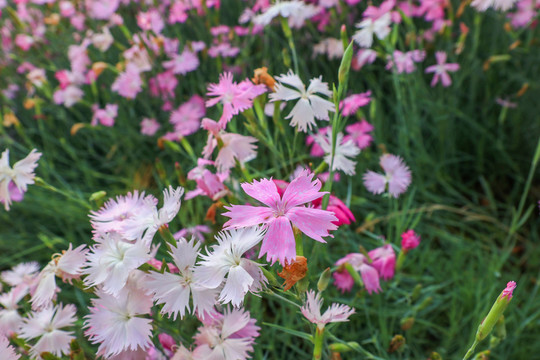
(409, 240)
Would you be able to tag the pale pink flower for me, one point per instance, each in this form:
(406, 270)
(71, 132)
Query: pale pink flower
(208, 183)
(7, 351)
(68, 266)
(102, 40)
(187, 118)
(149, 126)
(137, 57)
(225, 260)
(235, 147)
(224, 49)
(225, 337)
(335, 313)
(102, 9)
(22, 174)
(104, 116)
(112, 260)
(344, 152)
(350, 105)
(369, 26)
(310, 106)
(128, 84)
(397, 176)
(404, 62)
(441, 70)
(69, 96)
(174, 290)
(359, 133)
(46, 325)
(182, 63)
(483, 5)
(281, 213)
(10, 319)
(330, 46)
(115, 213)
(196, 231)
(116, 323)
(370, 276)
(295, 11)
(21, 274)
(234, 97)
(24, 42)
(363, 57)
(409, 240)
(384, 260)
(151, 20)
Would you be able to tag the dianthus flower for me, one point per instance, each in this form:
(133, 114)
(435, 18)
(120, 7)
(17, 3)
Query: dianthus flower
(441, 70)
(23, 274)
(46, 325)
(309, 106)
(335, 313)
(343, 152)
(226, 337)
(174, 290)
(397, 176)
(128, 84)
(186, 119)
(281, 213)
(234, 97)
(116, 323)
(409, 240)
(342, 212)
(370, 26)
(350, 105)
(182, 63)
(370, 277)
(384, 260)
(7, 351)
(10, 319)
(225, 259)
(22, 174)
(104, 116)
(359, 133)
(295, 11)
(208, 183)
(404, 62)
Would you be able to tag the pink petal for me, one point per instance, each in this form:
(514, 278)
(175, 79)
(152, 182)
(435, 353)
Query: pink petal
(302, 190)
(278, 244)
(264, 190)
(246, 215)
(315, 223)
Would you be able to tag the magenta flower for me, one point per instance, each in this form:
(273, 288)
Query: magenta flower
(359, 133)
(338, 207)
(344, 281)
(384, 260)
(409, 240)
(350, 105)
(441, 70)
(280, 213)
(234, 97)
(509, 290)
(397, 176)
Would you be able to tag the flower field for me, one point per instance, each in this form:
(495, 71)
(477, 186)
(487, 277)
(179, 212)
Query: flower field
(235, 179)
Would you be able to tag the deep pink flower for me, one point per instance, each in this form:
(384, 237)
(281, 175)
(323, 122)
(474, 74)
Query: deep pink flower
(280, 213)
(338, 207)
(350, 104)
(384, 260)
(409, 240)
(508, 291)
(370, 276)
(359, 133)
(441, 70)
(234, 97)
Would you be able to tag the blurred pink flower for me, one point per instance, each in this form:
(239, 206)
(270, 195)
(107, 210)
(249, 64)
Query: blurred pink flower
(149, 126)
(350, 105)
(208, 183)
(397, 176)
(21, 175)
(363, 57)
(151, 20)
(370, 276)
(338, 207)
(359, 133)
(182, 63)
(128, 84)
(404, 62)
(316, 149)
(7, 351)
(281, 213)
(24, 42)
(234, 97)
(409, 240)
(384, 260)
(104, 116)
(102, 9)
(441, 70)
(186, 119)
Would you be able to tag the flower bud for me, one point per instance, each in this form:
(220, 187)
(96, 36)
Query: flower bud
(324, 280)
(496, 312)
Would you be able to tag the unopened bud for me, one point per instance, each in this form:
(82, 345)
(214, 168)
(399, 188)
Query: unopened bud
(324, 280)
(97, 195)
(397, 343)
(496, 312)
(407, 323)
(435, 356)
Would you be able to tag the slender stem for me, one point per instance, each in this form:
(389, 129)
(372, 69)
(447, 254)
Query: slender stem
(318, 343)
(288, 34)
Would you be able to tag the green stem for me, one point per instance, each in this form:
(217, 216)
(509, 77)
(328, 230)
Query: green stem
(471, 350)
(299, 241)
(318, 343)
(40, 182)
(288, 34)
(400, 260)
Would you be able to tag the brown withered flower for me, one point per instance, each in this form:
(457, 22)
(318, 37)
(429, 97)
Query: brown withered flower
(261, 76)
(294, 272)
